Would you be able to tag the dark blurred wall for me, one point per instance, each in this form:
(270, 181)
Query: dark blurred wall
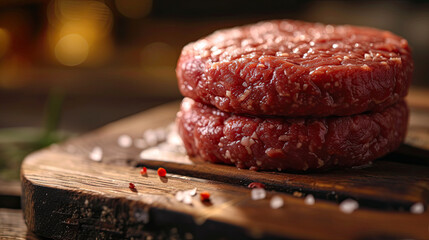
(123, 52)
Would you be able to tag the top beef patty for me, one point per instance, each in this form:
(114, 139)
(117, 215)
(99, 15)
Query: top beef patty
(293, 68)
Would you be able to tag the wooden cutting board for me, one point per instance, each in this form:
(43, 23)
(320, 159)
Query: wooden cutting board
(67, 195)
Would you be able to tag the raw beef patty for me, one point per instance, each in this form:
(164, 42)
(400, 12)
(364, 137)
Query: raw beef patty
(293, 68)
(290, 143)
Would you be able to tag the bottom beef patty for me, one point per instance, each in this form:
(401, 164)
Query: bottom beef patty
(297, 144)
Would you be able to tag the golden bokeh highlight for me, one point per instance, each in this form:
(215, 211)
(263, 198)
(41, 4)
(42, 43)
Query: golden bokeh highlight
(4, 41)
(90, 20)
(72, 50)
(134, 8)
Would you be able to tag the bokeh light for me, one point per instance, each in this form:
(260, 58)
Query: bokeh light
(4, 41)
(134, 8)
(72, 50)
(90, 20)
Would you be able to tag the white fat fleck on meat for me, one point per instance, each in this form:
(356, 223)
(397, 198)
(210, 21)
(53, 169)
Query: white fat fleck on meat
(247, 142)
(228, 94)
(284, 138)
(244, 95)
(227, 154)
(254, 136)
(273, 152)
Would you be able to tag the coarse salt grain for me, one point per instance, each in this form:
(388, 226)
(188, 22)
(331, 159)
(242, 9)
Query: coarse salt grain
(417, 208)
(348, 206)
(187, 199)
(193, 192)
(186, 196)
(179, 196)
(258, 193)
(161, 134)
(276, 202)
(309, 199)
(150, 137)
(125, 141)
(96, 154)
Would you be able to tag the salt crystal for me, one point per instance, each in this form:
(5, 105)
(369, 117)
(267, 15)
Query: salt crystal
(417, 208)
(174, 139)
(193, 192)
(348, 206)
(276, 202)
(309, 199)
(161, 134)
(186, 196)
(258, 193)
(179, 196)
(142, 154)
(125, 141)
(150, 137)
(96, 154)
(187, 199)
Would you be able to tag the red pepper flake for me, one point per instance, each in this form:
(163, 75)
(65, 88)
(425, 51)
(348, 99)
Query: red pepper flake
(205, 196)
(143, 171)
(256, 185)
(132, 186)
(162, 172)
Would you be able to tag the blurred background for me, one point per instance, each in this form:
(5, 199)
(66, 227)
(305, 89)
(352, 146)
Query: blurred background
(70, 66)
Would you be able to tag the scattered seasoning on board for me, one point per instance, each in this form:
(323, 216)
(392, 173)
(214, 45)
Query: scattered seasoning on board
(125, 141)
(143, 171)
(256, 185)
(276, 202)
(132, 186)
(193, 192)
(96, 154)
(186, 196)
(309, 200)
(162, 172)
(348, 206)
(417, 208)
(258, 194)
(205, 196)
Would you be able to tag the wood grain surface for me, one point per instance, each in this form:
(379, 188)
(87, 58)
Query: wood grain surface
(12, 225)
(66, 195)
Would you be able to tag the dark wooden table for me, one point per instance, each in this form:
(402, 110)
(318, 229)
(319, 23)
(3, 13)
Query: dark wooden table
(67, 195)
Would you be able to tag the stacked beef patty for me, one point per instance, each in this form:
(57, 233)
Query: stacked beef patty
(291, 95)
